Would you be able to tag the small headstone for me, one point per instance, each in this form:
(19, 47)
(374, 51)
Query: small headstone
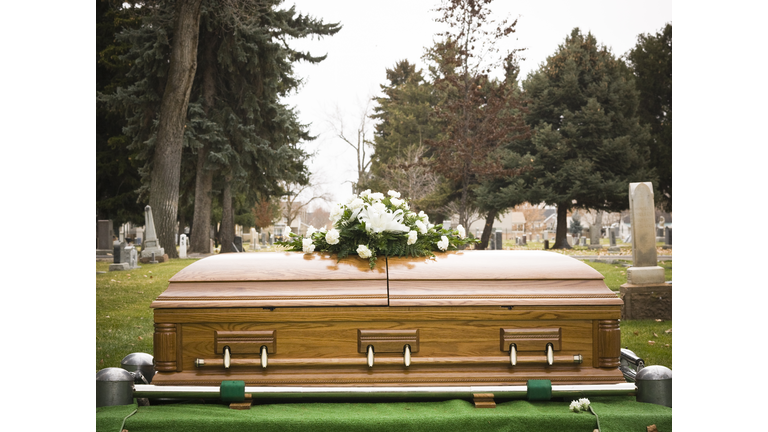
(583, 241)
(546, 244)
(264, 238)
(104, 235)
(525, 239)
(213, 246)
(569, 239)
(151, 248)
(239, 243)
(612, 236)
(133, 258)
(183, 244)
(546, 235)
(667, 238)
(119, 253)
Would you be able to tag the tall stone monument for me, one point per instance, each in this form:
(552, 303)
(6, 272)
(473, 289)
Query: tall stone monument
(595, 231)
(151, 245)
(646, 294)
(254, 240)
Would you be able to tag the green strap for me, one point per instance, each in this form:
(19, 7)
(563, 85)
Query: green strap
(232, 391)
(539, 390)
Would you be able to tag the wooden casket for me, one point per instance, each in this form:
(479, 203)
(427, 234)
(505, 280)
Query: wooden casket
(460, 318)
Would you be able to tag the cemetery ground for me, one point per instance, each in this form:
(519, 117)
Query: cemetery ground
(124, 320)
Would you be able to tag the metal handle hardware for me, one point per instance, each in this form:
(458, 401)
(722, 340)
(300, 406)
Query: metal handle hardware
(550, 354)
(263, 356)
(227, 358)
(513, 354)
(407, 355)
(370, 356)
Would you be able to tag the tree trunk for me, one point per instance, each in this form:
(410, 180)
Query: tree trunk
(561, 239)
(227, 230)
(166, 165)
(486, 235)
(200, 241)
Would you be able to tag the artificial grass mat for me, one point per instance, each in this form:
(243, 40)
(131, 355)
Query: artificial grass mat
(616, 414)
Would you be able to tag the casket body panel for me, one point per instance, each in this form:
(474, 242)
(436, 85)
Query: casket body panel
(457, 313)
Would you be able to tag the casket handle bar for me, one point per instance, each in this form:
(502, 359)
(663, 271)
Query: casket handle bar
(406, 360)
(513, 354)
(227, 358)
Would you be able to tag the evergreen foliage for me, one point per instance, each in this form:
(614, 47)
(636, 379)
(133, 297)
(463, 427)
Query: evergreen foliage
(651, 62)
(117, 175)
(588, 143)
(238, 132)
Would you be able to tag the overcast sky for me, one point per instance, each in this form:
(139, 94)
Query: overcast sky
(376, 34)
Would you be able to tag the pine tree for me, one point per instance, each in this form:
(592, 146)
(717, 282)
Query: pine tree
(651, 62)
(240, 140)
(588, 143)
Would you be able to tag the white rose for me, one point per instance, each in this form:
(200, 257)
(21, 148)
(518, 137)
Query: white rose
(365, 193)
(363, 251)
(307, 245)
(443, 243)
(311, 230)
(412, 236)
(462, 233)
(584, 402)
(424, 217)
(332, 237)
(396, 201)
(336, 213)
(356, 204)
(377, 196)
(422, 228)
(394, 194)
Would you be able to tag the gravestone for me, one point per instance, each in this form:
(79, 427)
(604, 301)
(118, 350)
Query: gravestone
(667, 238)
(125, 257)
(183, 244)
(255, 240)
(612, 237)
(595, 231)
(238, 244)
(546, 244)
(264, 238)
(569, 239)
(525, 240)
(139, 236)
(646, 295)
(104, 239)
(583, 241)
(151, 244)
(546, 235)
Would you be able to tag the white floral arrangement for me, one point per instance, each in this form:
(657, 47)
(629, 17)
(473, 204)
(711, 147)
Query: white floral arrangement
(371, 224)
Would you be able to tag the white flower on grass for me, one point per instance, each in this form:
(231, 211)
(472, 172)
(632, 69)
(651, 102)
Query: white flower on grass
(396, 201)
(443, 243)
(584, 402)
(311, 230)
(412, 236)
(363, 251)
(307, 245)
(287, 231)
(462, 233)
(394, 194)
(422, 228)
(575, 406)
(378, 218)
(332, 237)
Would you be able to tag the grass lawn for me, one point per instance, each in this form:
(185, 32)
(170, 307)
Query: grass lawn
(124, 321)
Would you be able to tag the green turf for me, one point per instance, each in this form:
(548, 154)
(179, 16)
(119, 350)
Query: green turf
(615, 414)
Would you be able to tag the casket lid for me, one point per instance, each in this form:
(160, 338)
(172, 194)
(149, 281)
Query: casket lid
(276, 279)
(464, 278)
(496, 277)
